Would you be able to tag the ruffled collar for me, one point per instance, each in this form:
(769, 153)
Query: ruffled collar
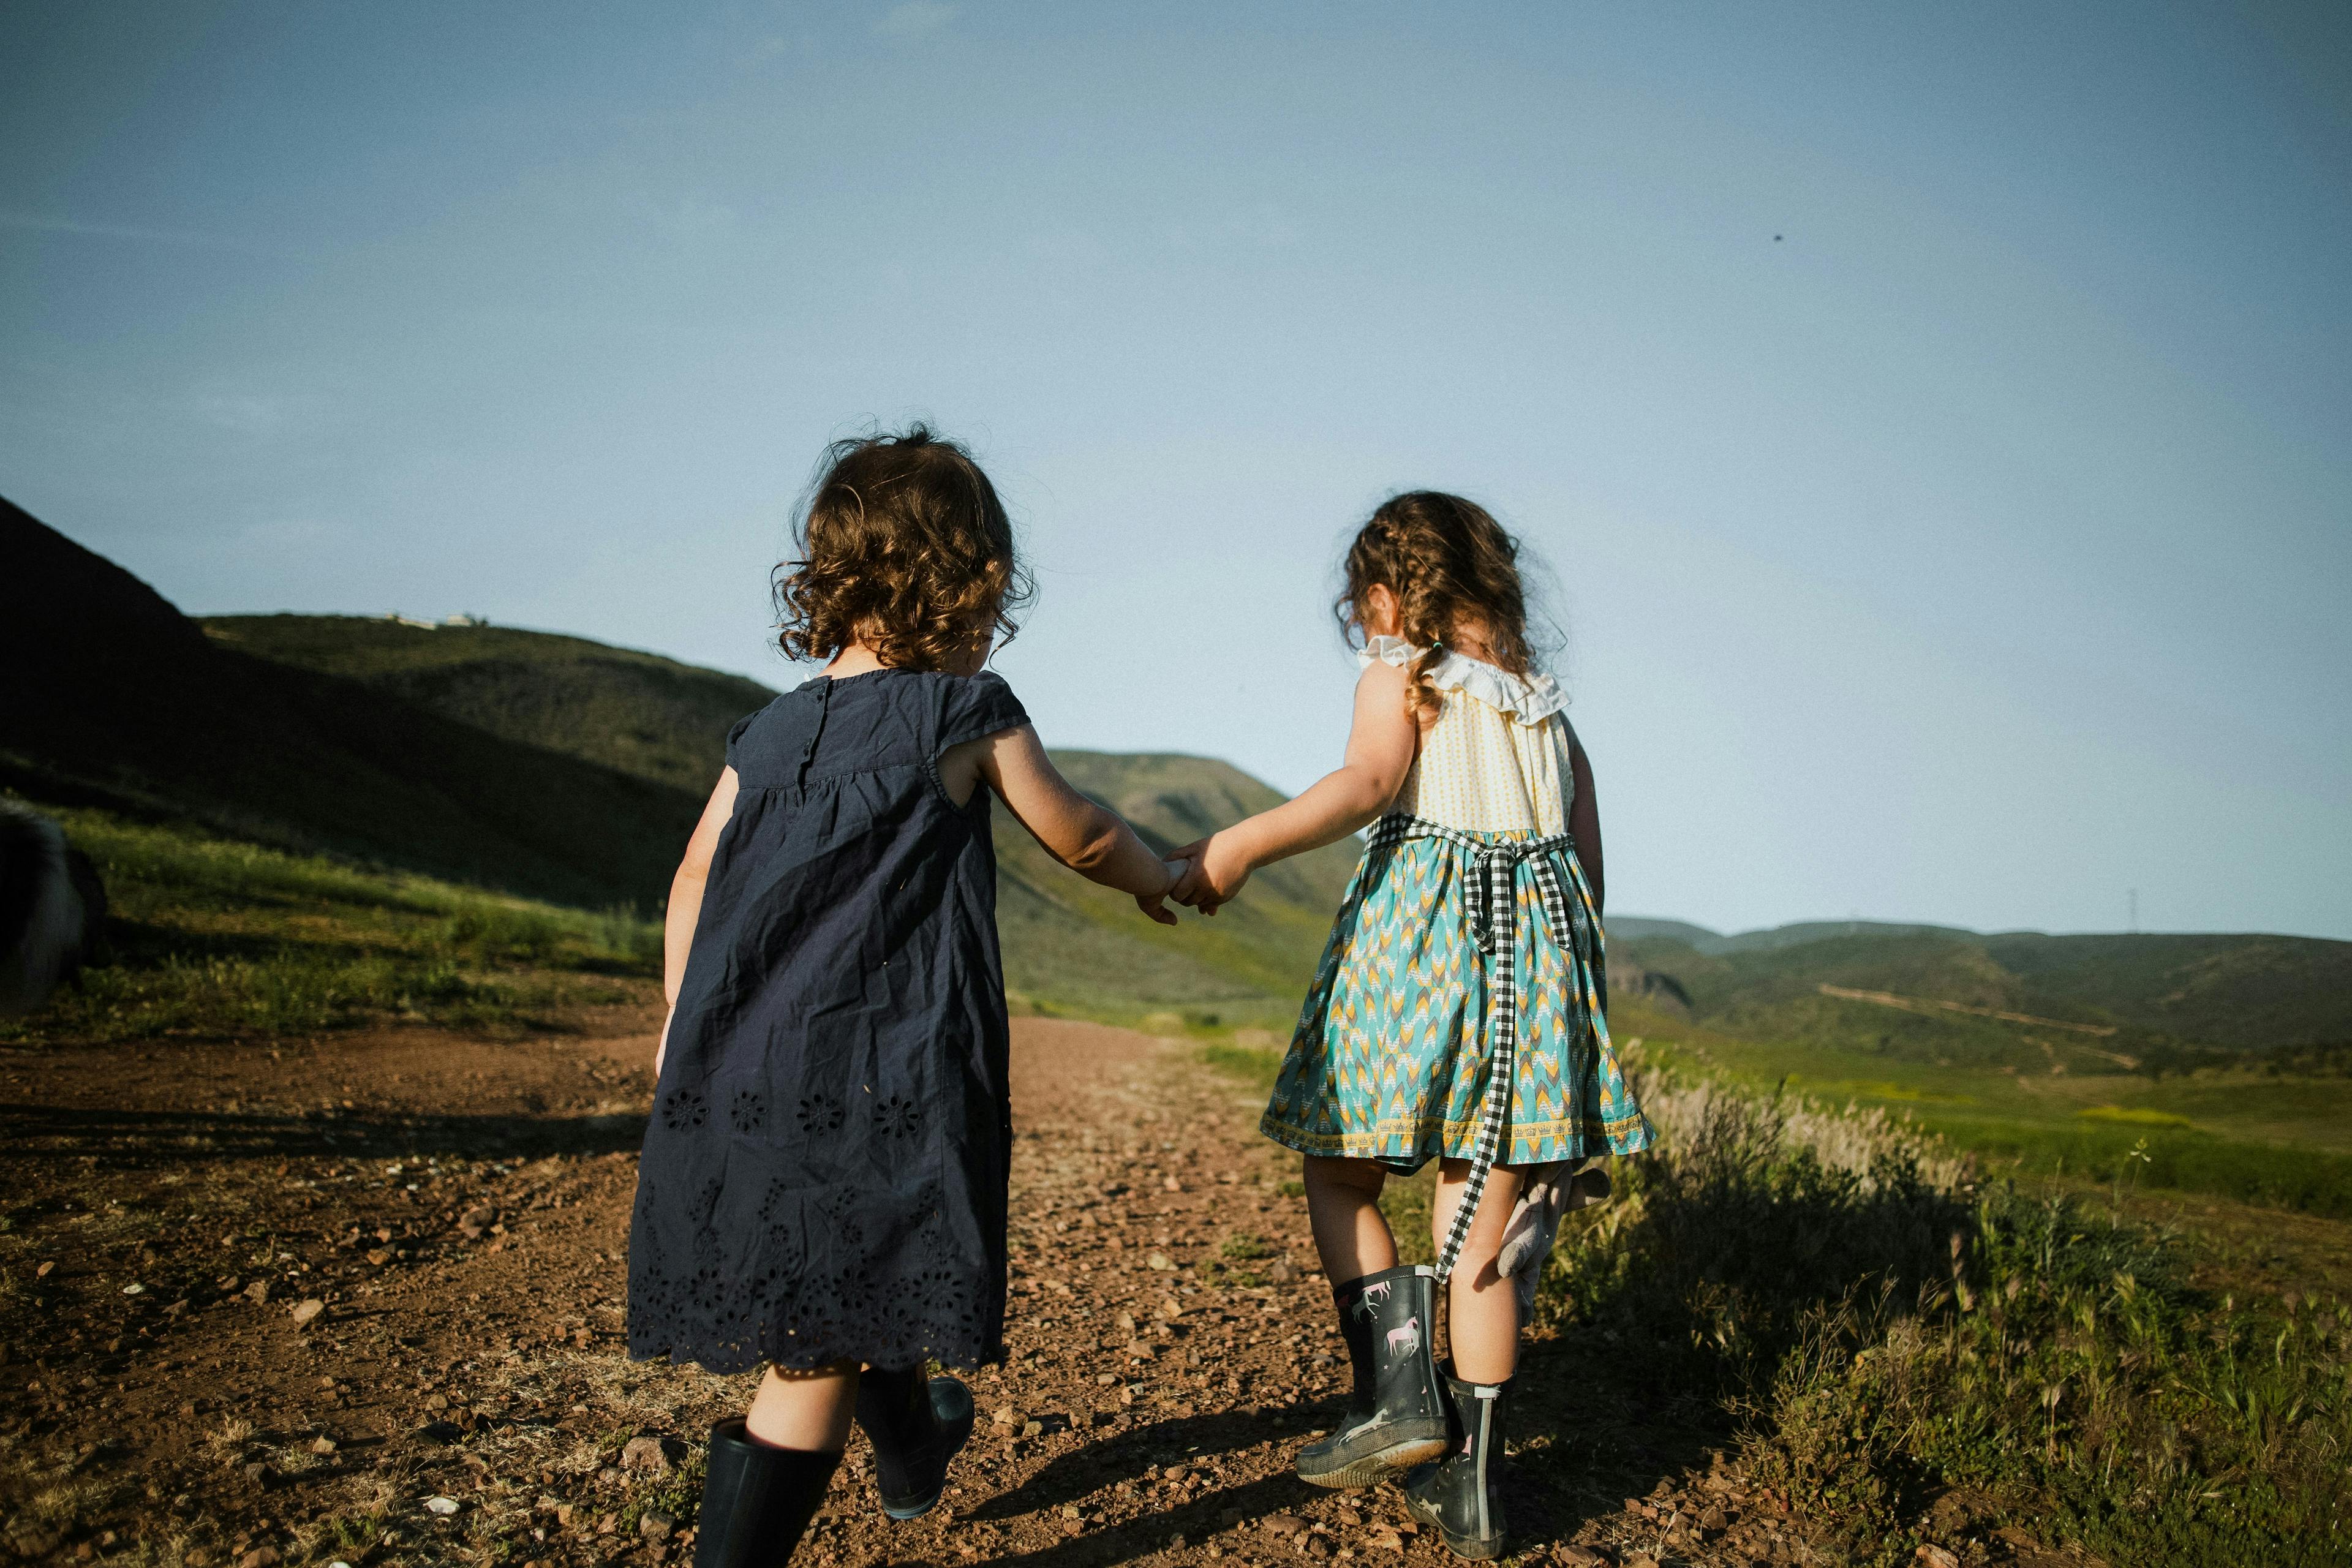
(1530, 699)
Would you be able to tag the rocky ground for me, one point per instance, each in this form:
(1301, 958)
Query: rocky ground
(360, 1300)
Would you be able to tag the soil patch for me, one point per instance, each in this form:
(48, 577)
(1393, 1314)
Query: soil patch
(360, 1300)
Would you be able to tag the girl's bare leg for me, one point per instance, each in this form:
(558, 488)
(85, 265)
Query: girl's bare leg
(809, 1411)
(1484, 1312)
(1343, 1204)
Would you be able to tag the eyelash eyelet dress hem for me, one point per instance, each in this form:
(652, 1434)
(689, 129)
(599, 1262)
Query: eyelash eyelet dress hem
(1390, 1061)
(825, 1174)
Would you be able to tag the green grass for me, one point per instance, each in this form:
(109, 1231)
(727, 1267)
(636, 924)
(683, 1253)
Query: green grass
(1930, 994)
(1832, 1289)
(2133, 1115)
(2242, 1133)
(208, 935)
(1877, 1332)
(2309, 1181)
(1252, 1065)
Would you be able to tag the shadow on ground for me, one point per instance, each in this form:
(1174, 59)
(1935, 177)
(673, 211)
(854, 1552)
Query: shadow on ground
(148, 1139)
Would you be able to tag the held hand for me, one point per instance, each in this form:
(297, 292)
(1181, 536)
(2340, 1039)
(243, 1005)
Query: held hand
(1155, 904)
(1186, 864)
(1217, 871)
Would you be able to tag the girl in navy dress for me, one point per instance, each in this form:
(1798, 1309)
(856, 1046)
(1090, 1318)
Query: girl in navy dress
(823, 1190)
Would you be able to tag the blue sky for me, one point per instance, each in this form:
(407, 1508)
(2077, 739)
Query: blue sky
(1936, 422)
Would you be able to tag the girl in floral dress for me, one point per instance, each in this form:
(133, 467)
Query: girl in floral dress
(1459, 1011)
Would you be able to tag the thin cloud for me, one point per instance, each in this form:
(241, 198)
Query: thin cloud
(915, 19)
(1260, 227)
(686, 218)
(254, 414)
(36, 223)
(1068, 245)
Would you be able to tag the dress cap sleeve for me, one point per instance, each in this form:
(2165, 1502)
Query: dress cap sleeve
(977, 706)
(735, 735)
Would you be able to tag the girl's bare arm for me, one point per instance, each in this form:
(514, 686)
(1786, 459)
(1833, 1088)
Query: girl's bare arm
(1584, 821)
(686, 886)
(1092, 840)
(1380, 747)
(685, 895)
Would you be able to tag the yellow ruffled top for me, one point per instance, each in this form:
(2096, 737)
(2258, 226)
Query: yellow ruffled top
(1496, 759)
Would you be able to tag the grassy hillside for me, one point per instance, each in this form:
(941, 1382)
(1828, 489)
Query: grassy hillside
(1068, 941)
(117, 701)
(2243, 992)
(1180, 799)
(1638, 928)
(636, 713)
(1067, 944)
(210, 767)
(539, 767)
(1927, 994)
(2200, 1063)
(211, 935)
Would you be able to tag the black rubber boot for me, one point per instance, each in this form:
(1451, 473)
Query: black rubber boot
(1396, 1418)
(1461, 1495)
(756, 1500)
(917, 1423)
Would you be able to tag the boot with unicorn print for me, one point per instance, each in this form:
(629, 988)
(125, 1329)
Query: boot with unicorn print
(1396, 1415)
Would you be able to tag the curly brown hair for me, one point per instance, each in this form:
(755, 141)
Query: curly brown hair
(903, 546)
(1447, 561)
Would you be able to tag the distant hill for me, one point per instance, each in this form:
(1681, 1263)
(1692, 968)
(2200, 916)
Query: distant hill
(2249, 991)
(1643, 927)
(2020, 999)
(1065, 937)
(1066, 941)
(1701, 939)
(551, 766)
(113, 697)
(564, 769)
(637, 713)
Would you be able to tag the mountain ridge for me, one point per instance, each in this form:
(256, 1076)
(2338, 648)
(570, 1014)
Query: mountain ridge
(551, 767)
(559, 767)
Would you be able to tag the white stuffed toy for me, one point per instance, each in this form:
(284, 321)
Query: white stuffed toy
(1552, 1190)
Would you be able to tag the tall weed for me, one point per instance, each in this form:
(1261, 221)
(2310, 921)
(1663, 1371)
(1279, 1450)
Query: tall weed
(1881, 1332)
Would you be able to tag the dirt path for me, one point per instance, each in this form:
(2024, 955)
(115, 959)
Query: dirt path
(360, 1300)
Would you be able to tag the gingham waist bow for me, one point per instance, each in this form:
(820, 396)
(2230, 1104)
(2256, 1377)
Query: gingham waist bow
(1494, 885)
(1493, 899)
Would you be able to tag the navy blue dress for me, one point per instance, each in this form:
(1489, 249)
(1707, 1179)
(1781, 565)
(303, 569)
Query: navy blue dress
(825, 1174)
